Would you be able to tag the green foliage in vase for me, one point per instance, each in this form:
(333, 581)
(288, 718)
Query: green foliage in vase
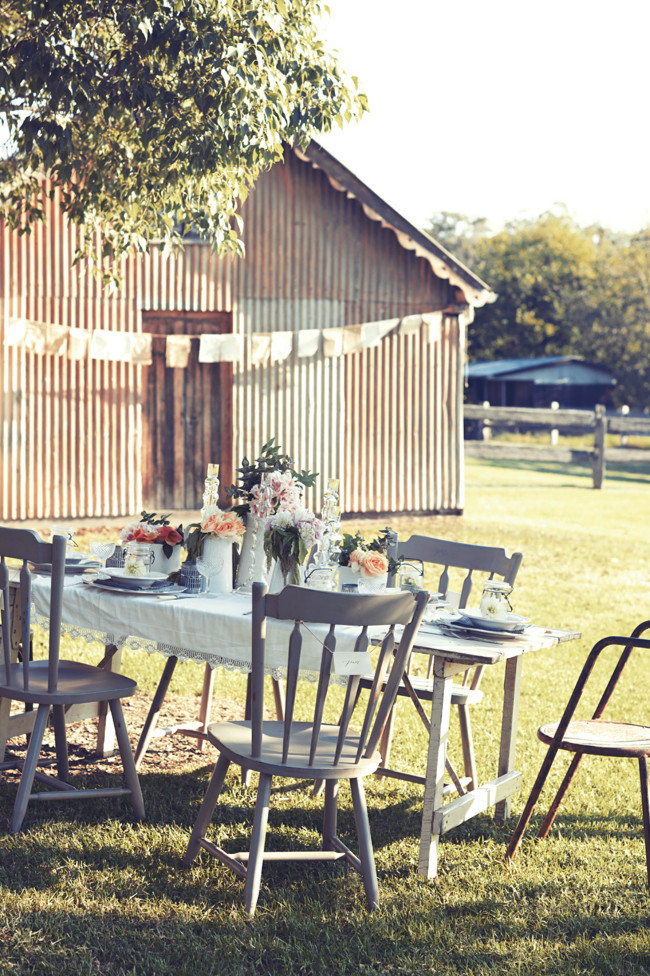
(250, 473)
(150, 117)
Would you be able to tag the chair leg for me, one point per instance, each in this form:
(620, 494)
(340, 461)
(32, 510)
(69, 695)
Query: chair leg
(206, 810)
(60, 742)
(29, 768)
(559, 796)
(154, 710)
(128, 764)
(330, 813)
(386, 740)
(467, 742)
(366, 854)
(645, 803)
(527, 812)
(256, 854)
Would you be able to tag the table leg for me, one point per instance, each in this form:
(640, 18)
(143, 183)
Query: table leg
(511, 693)
(106, 742)
(206, 703)
(156, 705)
(435, 773)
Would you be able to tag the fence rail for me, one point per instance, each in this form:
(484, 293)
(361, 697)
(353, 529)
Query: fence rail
(595, 422)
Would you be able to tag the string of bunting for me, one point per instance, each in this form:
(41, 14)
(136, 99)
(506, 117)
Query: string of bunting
(260, 349)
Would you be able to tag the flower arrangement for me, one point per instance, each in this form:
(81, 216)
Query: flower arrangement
(251, 473)
(283, 491)
(153, 528)
(217, 524)
(288, 537)
(368, 558)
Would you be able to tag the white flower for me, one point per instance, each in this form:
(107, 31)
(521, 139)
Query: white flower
(492, 606)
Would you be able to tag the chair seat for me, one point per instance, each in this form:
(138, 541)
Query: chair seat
(78, 683)
(600, 738)
(233, 739)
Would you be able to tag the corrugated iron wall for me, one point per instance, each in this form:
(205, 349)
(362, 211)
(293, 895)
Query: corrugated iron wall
(386, 421)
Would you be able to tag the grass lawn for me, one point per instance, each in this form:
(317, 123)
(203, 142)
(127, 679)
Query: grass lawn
(85, 890)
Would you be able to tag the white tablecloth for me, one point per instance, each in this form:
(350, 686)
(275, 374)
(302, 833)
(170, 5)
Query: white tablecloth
(214, 630)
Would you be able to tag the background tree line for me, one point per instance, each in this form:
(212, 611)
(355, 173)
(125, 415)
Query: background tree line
(562, 290)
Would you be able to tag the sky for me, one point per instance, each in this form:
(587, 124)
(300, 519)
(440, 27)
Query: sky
(503, 110)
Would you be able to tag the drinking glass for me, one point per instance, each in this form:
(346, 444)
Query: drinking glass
(208, 566)
(102, 551)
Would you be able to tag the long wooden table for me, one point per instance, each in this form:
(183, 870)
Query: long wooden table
(217, 633)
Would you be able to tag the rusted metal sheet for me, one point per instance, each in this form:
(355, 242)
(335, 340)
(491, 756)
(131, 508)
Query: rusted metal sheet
(386, 421)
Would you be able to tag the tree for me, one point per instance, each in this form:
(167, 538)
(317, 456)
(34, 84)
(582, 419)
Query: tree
(147, 115)
(542, 272)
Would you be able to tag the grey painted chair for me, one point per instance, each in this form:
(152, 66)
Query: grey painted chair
(52, 684)
(594, 736)
(468, 564)
(312, 750)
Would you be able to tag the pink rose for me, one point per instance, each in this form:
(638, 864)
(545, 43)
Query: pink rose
(374, 564)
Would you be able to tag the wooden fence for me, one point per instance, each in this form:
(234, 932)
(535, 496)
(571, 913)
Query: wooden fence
(595, 422)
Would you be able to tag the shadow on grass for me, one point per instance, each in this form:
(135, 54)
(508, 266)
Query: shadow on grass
(616, 472)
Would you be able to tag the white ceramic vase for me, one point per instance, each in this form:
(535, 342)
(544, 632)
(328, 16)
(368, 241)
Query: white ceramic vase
(166, 564)
(346, 576)
(277, 581)
(250, 553)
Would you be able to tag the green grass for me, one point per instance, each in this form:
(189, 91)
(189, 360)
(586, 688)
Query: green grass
(84, 890)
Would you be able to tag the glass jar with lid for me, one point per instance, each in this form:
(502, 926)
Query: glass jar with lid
(494, 601)
(138, 558)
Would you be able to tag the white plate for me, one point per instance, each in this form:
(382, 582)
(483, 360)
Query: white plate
(511, 623)
(71, 569)
(156, 591)
(458, 629)
(135, 582)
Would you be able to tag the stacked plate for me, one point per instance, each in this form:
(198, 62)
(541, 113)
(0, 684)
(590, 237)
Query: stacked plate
(474, 623)
(121, 581)
(75, 565)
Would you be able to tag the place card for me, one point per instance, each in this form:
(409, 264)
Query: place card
(351, 662)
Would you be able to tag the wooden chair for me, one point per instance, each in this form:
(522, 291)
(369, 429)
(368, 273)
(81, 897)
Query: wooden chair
(52, 684)
(312, 750)
(595, 737)
(485, 562)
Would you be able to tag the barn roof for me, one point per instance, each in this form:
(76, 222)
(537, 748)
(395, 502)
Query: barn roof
(544, 369)
(443, 264)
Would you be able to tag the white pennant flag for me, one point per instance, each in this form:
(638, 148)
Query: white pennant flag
(227, 348)
(308, 342)
(281, 346)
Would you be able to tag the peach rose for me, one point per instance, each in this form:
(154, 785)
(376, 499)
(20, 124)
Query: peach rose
(374, 564)
(224, 525)
(356, 559)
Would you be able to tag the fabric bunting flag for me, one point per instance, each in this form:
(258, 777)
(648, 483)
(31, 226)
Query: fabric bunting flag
(308, 342)
(332, 342)
(177, 351)
(227, 348)
(409, 324)
(433, 322)
(121, 347)
(78, 342)
(281, 346)
(15, 332)
(373, 332)
(259, 351)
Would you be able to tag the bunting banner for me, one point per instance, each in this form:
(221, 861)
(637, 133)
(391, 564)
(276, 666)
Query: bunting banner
(177, 351)
(262, 348)
(225, 348)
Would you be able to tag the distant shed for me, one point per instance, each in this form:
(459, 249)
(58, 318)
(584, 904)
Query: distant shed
(347, 345)
(569, 381)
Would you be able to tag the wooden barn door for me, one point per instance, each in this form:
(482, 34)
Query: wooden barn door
(187, 414)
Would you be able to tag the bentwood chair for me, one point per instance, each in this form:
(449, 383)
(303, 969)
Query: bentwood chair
(52, 684)
(315, 749)
(595, 737)
(467, 563)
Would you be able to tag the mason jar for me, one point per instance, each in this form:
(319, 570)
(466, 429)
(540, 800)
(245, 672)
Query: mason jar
(138, 558)
(494, 601)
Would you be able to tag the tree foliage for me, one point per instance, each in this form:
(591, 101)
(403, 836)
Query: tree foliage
(150, 114)
(561, 290)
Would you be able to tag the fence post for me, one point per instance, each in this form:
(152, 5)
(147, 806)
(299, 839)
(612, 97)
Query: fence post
(486, 433)
(555, 434)
(598, 457)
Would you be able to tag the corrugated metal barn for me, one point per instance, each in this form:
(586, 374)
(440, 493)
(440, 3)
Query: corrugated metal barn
(87, 433)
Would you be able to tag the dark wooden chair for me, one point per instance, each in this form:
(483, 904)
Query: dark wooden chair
(468, 564)
(313, 750)
(595, 737)
(52, 684)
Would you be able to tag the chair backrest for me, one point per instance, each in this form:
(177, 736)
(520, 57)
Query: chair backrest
(491, 561)
(28, 547)
(307, 608)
